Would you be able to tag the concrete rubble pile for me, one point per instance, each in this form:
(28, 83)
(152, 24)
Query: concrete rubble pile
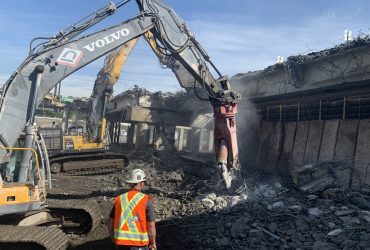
(194, 212)
(318, 177)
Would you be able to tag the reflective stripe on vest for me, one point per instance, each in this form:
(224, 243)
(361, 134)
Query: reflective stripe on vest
(127, 208)
(131, 236)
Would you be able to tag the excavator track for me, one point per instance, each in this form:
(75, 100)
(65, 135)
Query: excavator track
(86, 215)
(67, 217)
(32, 237)
(81, 163)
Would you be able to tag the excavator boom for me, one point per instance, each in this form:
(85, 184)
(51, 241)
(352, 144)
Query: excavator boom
(103, 87)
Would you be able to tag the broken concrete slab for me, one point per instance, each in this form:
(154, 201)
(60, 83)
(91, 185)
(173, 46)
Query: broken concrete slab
(317, 185)
(335, 232)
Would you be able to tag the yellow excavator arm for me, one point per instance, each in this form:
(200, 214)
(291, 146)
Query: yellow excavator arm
(106, 79)
(103, 89)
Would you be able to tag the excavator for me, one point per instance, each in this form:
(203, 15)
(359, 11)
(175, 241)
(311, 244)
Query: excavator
(89, 151)
(28, 220)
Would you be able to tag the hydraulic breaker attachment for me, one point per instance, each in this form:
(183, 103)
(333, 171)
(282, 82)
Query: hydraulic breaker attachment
(226, 145)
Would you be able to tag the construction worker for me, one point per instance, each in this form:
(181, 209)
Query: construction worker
(131, 222)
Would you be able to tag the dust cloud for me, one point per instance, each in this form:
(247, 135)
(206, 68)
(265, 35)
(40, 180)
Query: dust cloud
(247, 123)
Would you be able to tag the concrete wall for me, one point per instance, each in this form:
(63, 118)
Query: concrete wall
(285, 147)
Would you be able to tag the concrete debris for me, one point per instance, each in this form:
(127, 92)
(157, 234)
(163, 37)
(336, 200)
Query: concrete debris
(335, 232)
(267, 191)
(240, 227)
(220, 203)
(315, 211)
(278, 185)
(342, 213)
(277, 205)
(295, 208)
(235, 200)
(223, 242)
(319, 245)
(324, 175)
(365, 215)
(212, 196)
(208, 202)
(177, 176)
(312, 197)
(349, 220)
(331, 225)
(256, 234)
(192, 215)
(317, 185)
(267, 232)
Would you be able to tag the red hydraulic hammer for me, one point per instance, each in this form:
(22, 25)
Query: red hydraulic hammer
(226, 145)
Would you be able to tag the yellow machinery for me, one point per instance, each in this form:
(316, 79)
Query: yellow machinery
(27, 194)
(82, 151)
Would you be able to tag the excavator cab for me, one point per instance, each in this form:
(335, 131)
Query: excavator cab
(10, 168)
(19, 195)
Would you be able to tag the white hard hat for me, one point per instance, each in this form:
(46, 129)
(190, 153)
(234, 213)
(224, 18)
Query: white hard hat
(136, 176)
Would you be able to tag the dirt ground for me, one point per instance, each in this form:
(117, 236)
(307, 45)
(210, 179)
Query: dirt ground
(193, 211)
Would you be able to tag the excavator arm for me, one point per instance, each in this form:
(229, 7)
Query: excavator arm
(45, 68)
(103, 88)
(55, 59)
(177, 48)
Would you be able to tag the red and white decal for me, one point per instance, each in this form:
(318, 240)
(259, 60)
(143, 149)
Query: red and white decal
(69, 57)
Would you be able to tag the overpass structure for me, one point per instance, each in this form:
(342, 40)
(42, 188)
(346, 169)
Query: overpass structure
(312, 109)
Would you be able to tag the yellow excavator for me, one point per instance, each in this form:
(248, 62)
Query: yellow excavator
(89, 150)
(24, 161)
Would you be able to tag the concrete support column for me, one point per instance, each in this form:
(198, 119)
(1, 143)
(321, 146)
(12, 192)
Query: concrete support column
(151, 134)
(195, 140)
(170, 135)
(116, 132)
(201, 138)
(131, 135)
(119, 132)
(180, 141)
(210, 141)
(141, 135)
(157, 137)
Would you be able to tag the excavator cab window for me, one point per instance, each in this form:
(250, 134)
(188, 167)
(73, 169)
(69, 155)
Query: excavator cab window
(76, 130)
(9, 170)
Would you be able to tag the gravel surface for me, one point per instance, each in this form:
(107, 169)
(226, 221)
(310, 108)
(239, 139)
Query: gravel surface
(193, 212)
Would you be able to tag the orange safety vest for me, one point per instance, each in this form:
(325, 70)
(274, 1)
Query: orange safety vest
(130, 224)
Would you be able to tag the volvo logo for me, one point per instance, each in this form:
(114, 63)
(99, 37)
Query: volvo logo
(107, 39)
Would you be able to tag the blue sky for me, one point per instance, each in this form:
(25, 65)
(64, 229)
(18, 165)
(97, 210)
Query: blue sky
(239, 35)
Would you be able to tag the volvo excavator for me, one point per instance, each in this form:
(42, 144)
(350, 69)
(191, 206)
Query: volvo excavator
(27, 218)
